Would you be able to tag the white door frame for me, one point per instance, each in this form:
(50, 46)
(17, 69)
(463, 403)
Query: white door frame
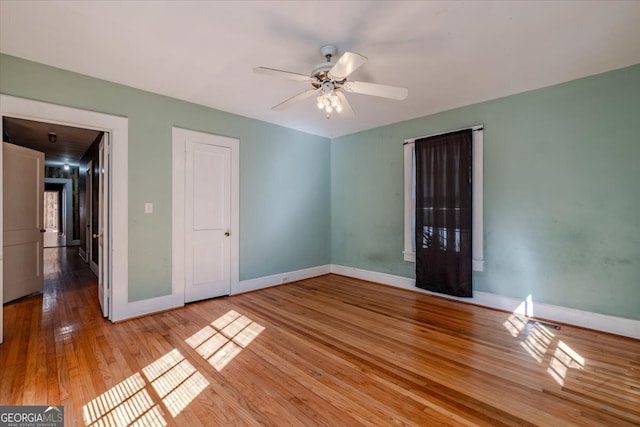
(104, 201)
(180, 136)
(118, 127)
(90, 230)
(88, 238)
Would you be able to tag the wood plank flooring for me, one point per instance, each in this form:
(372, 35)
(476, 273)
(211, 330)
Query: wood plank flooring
(329, 351)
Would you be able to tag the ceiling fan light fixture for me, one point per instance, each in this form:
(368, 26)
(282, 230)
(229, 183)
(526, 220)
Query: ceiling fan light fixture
(329, 83)
(329, 102)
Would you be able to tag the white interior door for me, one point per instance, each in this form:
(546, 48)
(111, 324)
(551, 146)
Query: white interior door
(23, 192)
(103, 225)
(207, 221)
(89, 229)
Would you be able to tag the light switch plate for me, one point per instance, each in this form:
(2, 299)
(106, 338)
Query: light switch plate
(148, 208)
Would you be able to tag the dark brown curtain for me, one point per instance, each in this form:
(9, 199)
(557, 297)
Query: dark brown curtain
(443, 213)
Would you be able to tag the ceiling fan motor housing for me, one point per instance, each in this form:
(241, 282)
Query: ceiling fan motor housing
(321, 71)
(328, 51)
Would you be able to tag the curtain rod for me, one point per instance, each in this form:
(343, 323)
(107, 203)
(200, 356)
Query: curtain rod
(412, 140)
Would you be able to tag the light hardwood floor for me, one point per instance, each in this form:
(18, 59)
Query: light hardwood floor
(330, 351)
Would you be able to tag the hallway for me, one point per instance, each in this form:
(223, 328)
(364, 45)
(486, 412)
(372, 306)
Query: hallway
(64, 270)
(54, 239)
(65, 309)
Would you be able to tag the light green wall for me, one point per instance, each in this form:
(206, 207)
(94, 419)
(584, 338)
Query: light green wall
(562, 166)
(561, 194)
(284, 180)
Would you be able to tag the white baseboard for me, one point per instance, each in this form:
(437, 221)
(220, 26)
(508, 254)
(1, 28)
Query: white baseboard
(94, 267)
(571, 316)
(279, 279)
(82, 254)
(176, 299)
(374, 276)
(147, 306)
(586, 319)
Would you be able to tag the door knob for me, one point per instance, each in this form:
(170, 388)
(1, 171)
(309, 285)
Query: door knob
(226, 233)
(95, 236)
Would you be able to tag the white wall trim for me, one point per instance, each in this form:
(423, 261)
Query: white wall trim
(571, 316)
(118, 127)
(374, 276)
(94, 267)
(177, 214)
(279, 279)
(409, 256)
(409, 251)
(151, 306)
(176, 300)
(477, 195)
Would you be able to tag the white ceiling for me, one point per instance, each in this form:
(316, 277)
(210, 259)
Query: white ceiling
(448, 54)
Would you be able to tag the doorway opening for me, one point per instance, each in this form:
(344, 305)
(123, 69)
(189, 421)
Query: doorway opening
(117, 127)
(53, 217)
(61, 213)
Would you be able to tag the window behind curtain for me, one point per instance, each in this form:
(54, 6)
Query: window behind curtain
(443, 215)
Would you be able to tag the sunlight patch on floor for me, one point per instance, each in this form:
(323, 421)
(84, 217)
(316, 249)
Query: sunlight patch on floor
(526, 307)
(121, 405)
(564, 358)
(537, 342)
(536, 339)
(176, 382)
(222, 340)
(514, 325)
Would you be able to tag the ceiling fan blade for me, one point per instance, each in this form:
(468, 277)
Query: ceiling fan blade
(347, 64)
(384, 91)
(347, 111)
(284, 74)
(297, 98)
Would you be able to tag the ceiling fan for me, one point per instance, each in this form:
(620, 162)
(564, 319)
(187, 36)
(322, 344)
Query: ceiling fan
(329, 83)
